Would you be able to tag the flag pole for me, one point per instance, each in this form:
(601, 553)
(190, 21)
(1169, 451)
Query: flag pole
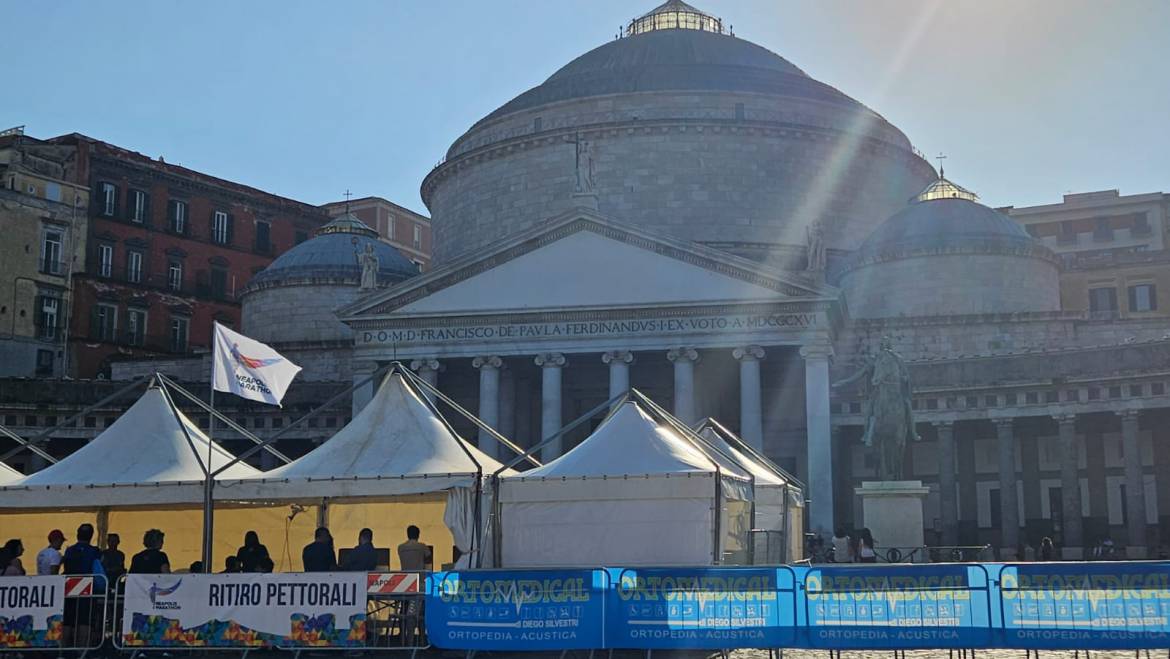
(209, 481)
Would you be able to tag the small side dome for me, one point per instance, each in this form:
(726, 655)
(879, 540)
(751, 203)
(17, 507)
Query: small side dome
(947, 254)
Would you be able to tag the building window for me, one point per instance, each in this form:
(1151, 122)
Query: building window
(134, 267)
(105, 260)
(105, 322)
(177, 217)
(51, 251)
(44, 363)
(390, 223)
(109, 199)
(417, 237)
(175, 276)
(218, 283)
(1067, 234)
(53, 192)
(220, 228)
(48, 317)
(179, 330)
(263, 237)
(137, 206)
(1141, 225)
(136, 327)
(1143, 297)
(1103, 300)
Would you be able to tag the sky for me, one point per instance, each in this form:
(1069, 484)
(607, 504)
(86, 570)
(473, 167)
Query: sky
(1028, 99)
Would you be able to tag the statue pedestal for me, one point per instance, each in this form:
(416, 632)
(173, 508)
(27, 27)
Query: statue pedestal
(892, 511)
(585, 200)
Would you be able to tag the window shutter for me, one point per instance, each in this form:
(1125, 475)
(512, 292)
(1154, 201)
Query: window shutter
(145, 208)
(172, 210)
(38, 305)
(231, 228)
(211, 226)
(1133, 298)
(117, 201)
(1153, 297)
(94, 331)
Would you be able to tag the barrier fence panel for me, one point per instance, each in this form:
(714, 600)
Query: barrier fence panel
(517, 609)
(898, 607)
(1107, 605)
(319, 610)
(395, 610)
(61, 612)
(708, 608)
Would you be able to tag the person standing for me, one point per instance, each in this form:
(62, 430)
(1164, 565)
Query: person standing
(113, 560)
(10, 565)
(151, 560)
(252, 554)
(49, 558)
(81, 558)
(363, 557)
(318, 555)
(866, 552)
(842, 547)
(1047, 549)
(412, 554)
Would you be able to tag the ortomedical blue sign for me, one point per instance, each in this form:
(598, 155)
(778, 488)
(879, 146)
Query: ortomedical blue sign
(516, 610)
(708, 608)
(1086, 605)
(904, 606)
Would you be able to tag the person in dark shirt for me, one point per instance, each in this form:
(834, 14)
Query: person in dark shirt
(113, 560)
(231, 565)
(318, 555)
(151, 560)
(80, 558)
(363, 557)
(252, 554)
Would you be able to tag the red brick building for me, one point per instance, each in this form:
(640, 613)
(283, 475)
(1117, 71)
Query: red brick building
(168, 248)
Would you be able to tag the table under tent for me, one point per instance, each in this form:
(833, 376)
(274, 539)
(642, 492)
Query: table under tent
(397, 463)
(778, 524)
(641, 490)
(146, 470)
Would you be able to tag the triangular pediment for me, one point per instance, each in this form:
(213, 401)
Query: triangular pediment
(582, 260)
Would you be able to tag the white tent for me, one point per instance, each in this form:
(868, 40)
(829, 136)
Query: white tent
(641, 490)
(8, 474)
(778, 497)
(143, 459)
(397, 445)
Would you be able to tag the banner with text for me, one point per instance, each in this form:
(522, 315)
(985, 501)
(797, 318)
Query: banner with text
(325, 609)
(31, 611)
(709, 608)
(516, 610)
(1108, 605)
(898, 607)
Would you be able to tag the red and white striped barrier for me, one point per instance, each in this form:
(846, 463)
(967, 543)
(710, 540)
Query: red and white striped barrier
(78, 586)
(392, 583)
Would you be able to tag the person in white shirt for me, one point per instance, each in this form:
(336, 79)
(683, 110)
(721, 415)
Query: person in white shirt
(49, 558)
(842, 547)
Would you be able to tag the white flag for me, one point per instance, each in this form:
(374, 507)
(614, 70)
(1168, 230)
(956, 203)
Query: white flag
(250, 369)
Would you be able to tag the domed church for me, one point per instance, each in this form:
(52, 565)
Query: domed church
(685, 212)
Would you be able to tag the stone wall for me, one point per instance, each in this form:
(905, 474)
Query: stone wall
(951, 284)
(283, 314)
(682, 164)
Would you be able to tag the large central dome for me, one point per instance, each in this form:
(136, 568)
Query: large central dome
(692, 132)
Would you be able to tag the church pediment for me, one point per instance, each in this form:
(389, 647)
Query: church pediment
(582, 260)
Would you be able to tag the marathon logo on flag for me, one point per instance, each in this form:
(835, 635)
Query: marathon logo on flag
(390, 583)
(250, 369)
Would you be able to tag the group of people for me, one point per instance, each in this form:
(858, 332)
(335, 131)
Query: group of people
(83, 557)
(847, 549)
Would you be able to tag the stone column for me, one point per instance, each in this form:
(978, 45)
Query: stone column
(1135, 486)
(427, 369)
(489, 400)
(948, 513)
(550, 402)
(684, 383)
(1070, 488)
(820, 441)
(619, 370)
(751, 409)
(1009, 502)
(364, 393)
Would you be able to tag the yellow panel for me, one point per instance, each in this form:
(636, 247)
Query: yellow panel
(388, 520)
(33, 531)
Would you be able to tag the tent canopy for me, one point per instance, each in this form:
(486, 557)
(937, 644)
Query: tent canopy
(8, 474)
(632, 443)
(396, 445)
(763, 474)
(143, 458)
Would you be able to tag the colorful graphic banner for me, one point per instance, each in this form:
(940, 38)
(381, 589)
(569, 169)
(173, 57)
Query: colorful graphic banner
(31, 609)
(1086, 605)
(245, 610)
(898, 607)
(516, 610)
(708, 608)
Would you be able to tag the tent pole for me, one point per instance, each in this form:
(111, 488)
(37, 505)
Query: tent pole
(46, 433)
(24, 443)
(572, 425)
(209, 483)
